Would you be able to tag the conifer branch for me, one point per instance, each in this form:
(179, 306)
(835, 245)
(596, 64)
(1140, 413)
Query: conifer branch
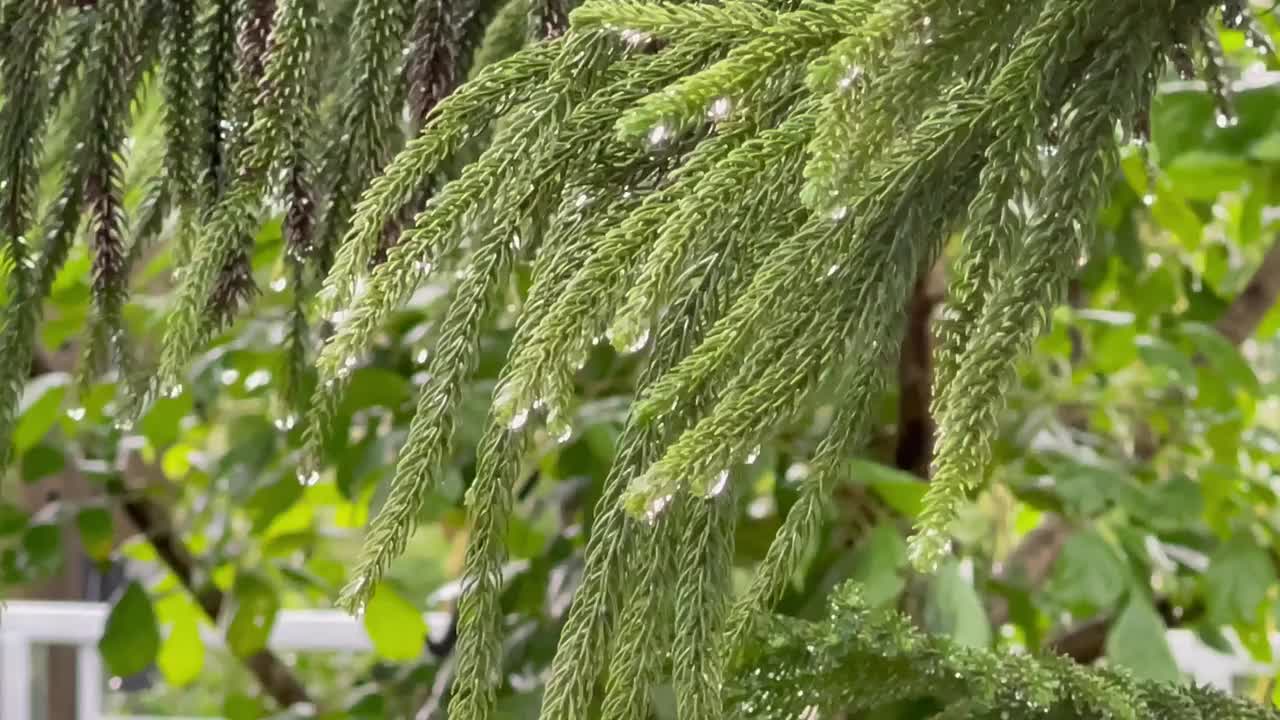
(969, 404)
(701, 597)
(584, 644)
(113, 53)
(503, 37)
(28, 28)
(850, 428)
(182, 92)
(479, 649)
(456, 120)
(216, 40)
(643, 620)
(369, 121)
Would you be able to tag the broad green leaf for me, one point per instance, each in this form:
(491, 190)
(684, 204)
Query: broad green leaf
(372, 386)
(40, 408)
(902, 491)
(268, 501)
(394, 625)
(1160, 355)
(42, 461)
(182, 655)
(97, 532)
(954, 609)
(1267, 148)
(1222, 354)
(1205, 174)
(1137, 641)
(1170, 208)
(1179, 505)
(163, 422)
(12, 519)
(1089, 572)
(1255, 636)
(1114, 342)
(42, 548)
(242, 706)
(131, 639)
(256, 606)
(1237, 580)
(877, 562)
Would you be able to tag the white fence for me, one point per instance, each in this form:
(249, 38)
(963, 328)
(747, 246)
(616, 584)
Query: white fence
(26, 624)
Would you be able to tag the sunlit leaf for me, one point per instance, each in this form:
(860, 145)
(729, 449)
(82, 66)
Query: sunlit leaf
(395, 626)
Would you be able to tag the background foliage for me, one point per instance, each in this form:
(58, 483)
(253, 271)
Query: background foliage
(1136, 460)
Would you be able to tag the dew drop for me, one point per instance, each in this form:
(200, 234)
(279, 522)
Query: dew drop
(559, 428)
(797, 472)
(307, 478)
(659, 134)
(839, 213)
(639, 342)
(753, 455)
(518, 420)
(722, 482)
(720, 109)
(1149, 199)
(634, 38)
(257, 379)
(421, 356)
(655, 507)
(1225, 119)
(286, 422)
(850, 78)
(172, 391)
(76, 413)
(280, 283)
(348, 364)
(833, 269)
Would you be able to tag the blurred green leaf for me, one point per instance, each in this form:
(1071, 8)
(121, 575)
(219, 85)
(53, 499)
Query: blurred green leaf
(394, 625)
(954, 609)
(182, 655)
(130, 639)
(256, 606)
(1236, 583)
(1089, 572)
(876, 564)
(40, 408)
(12, 519)
(42, 548)
(162, 424)
(1222, 354)
(1137, 642)
(42, 461)
(902, 491)
(1205, 174)
(97, 532)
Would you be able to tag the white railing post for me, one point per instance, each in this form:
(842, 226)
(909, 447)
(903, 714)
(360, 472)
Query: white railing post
(89, 683)
(15, 676)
